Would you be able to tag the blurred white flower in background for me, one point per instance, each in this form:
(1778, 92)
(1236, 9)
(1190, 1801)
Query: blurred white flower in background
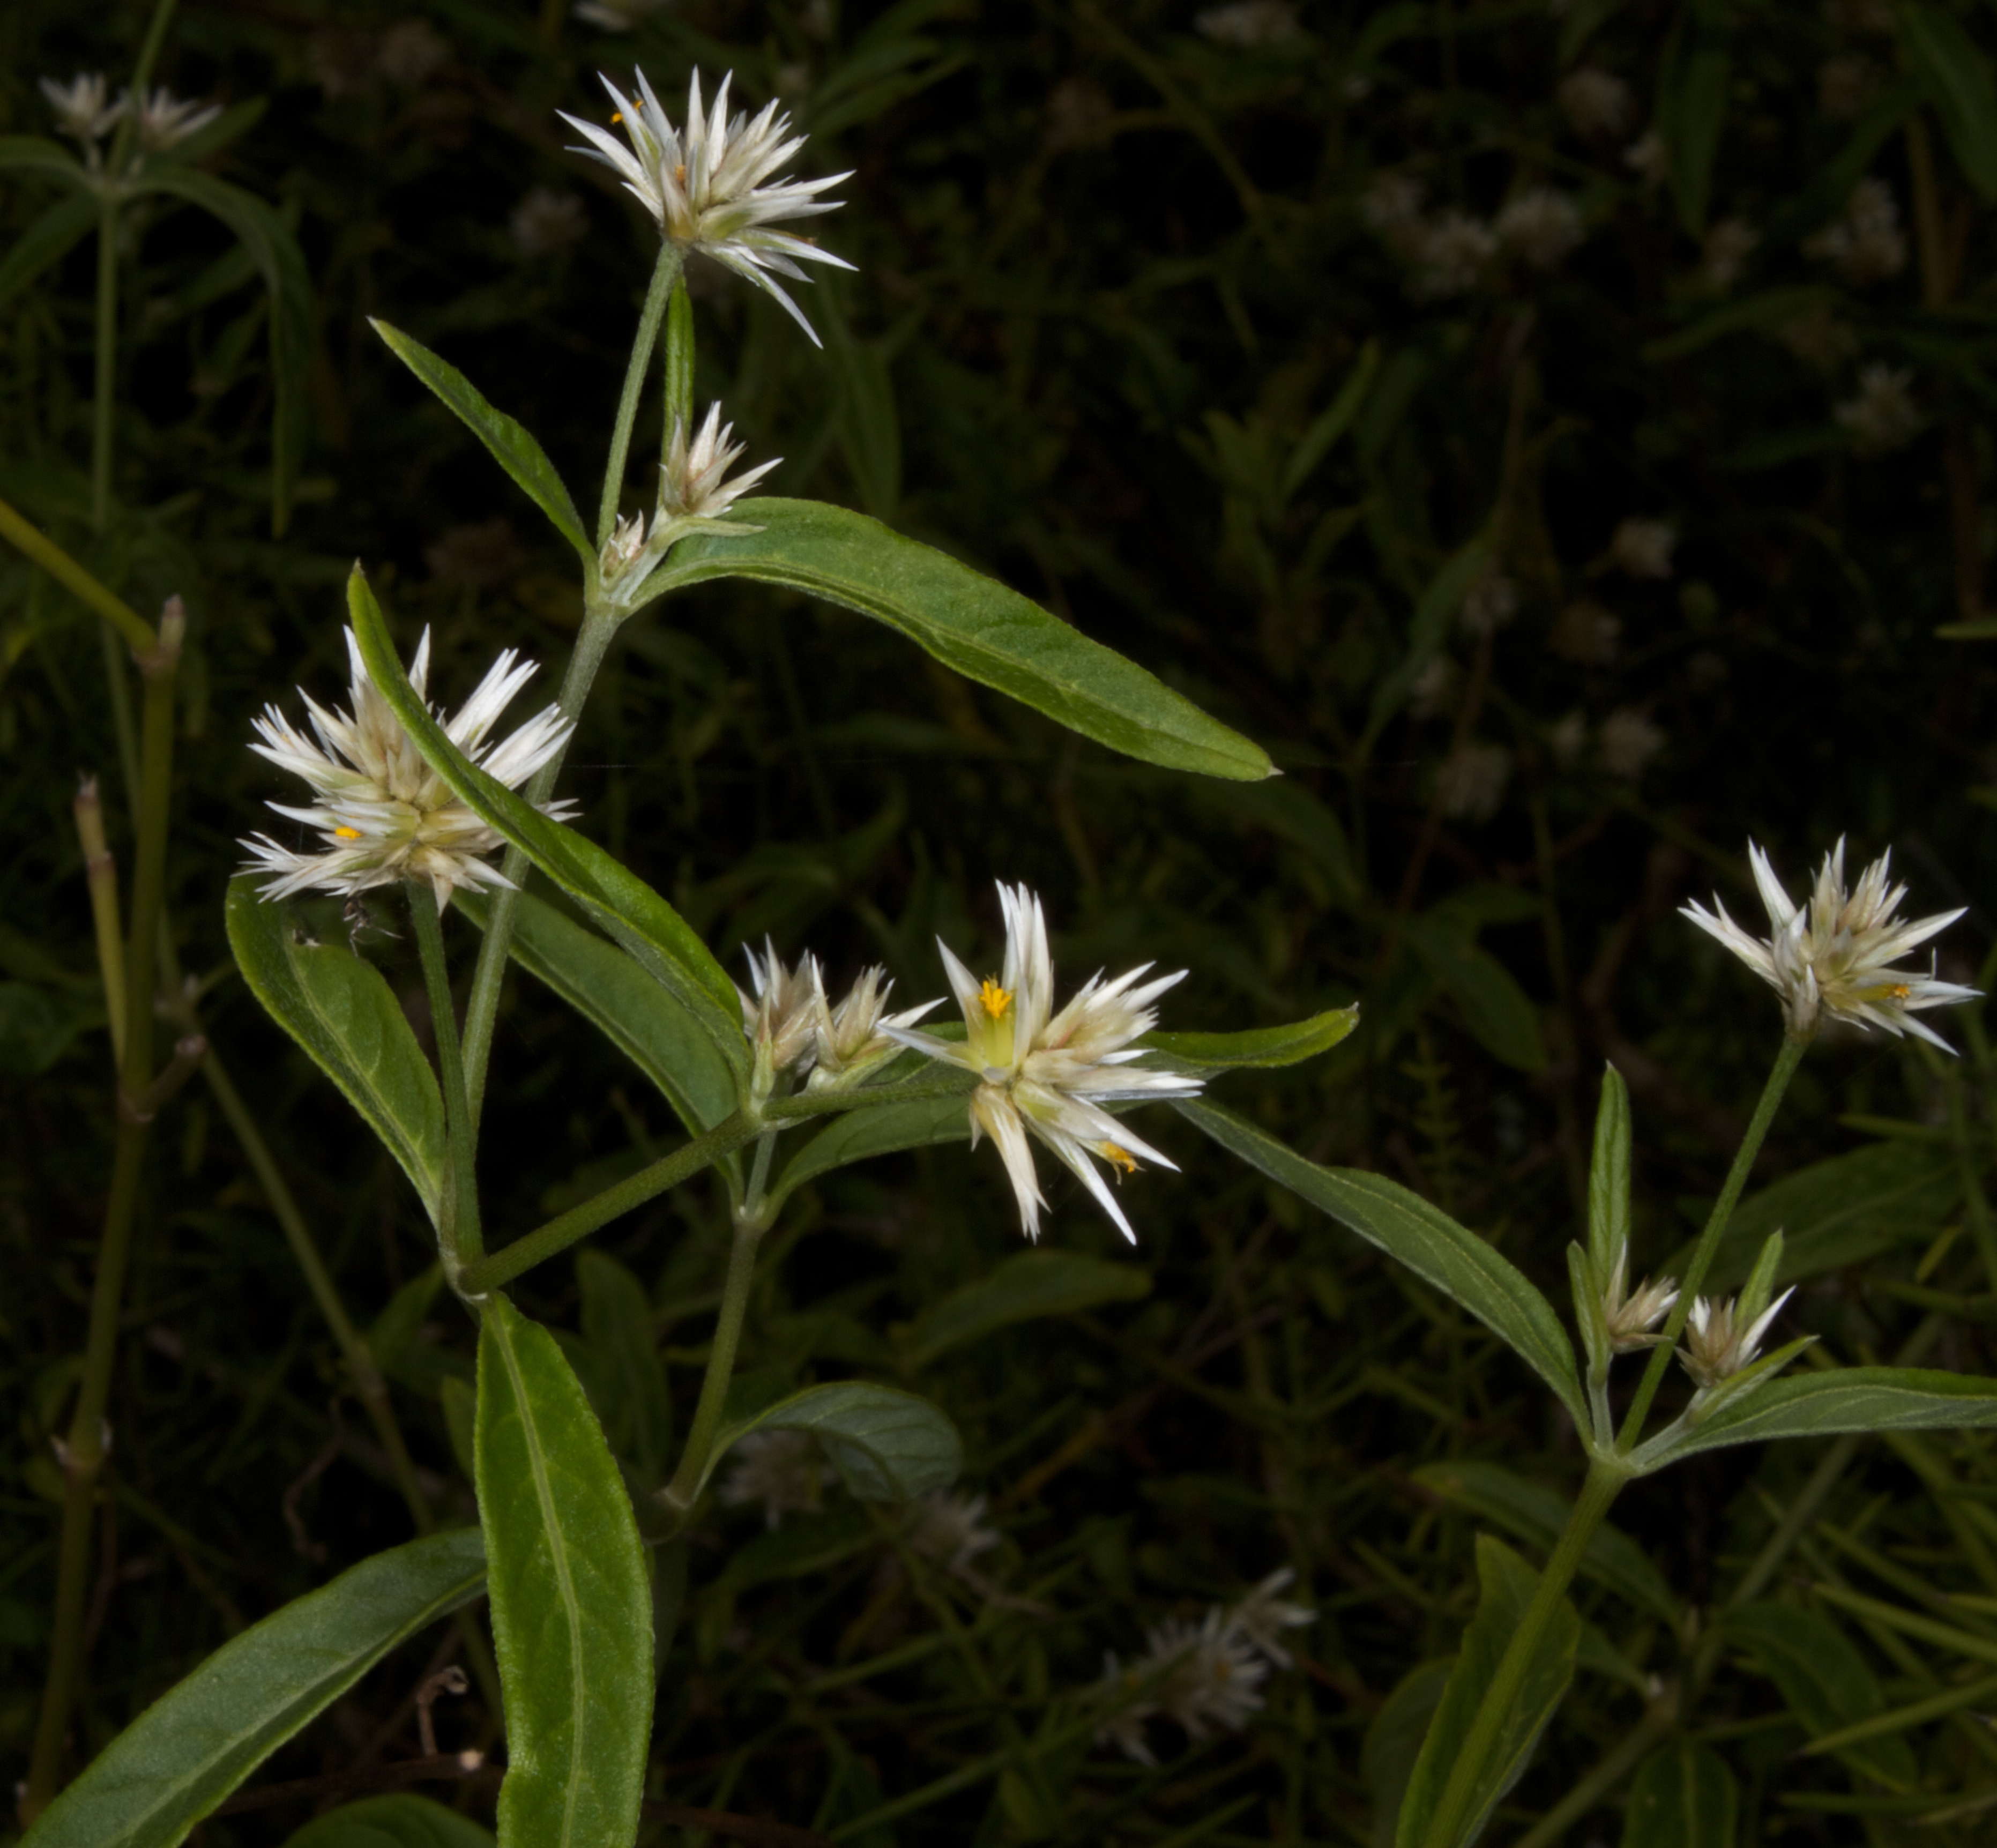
(1540, 226)
(781, 1472)
(1728, 246)
(546, 221)
(1867, 244)
(1249, 24)
(1598, 104)
(1643, 547)
(1627, 742)
(1471, 782)
(1882, 415)
(83, 108)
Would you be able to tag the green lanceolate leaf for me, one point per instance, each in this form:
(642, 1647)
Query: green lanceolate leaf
(1838, 1212)
(1691, 106)
(1440, 602)
(1683, 1796)
(200, 1740)
(571, 1598)
(1608, 1175)
(1422, 1237)
(1024, 1288)
(1263, 1048)
(512, 445)
(1495, 1009)
(643, 1019)
(1825, 1680)
(275, 251)
(1507, 1584)
(888, 1445)
(613, 895)
(49, 239)
(403, 1820)
(340, 1010)
(1852, 1398)
(985, 631)
(1539, 1516)
(1394, 1741)
(879, 1130)
(36, 153)
(1957, 76)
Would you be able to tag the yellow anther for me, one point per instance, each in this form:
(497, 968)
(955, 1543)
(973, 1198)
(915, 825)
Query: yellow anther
(994, 999)
(1117, 1156)
(347, 833)
(1899, 992)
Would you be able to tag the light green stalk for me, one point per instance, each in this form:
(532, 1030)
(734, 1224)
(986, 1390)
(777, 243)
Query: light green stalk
(83, 1449)
(1785, 1069)
(460, 1241)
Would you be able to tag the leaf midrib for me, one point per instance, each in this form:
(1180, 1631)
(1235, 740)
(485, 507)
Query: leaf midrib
(558, 1560)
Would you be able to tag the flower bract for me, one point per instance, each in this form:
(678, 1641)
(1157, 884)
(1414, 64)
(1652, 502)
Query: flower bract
(382, 812)
(1720, 1340)
(1049, 1075)
(1834, 954)
(711, 185)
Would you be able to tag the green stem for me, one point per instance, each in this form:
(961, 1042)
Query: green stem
(1786, 1062)
(679, 1494)
(489, 974)
(36, 546)
(558, 1234)
(679, 365)
(84, 1450)
(459, 1241)
(1453, 1808)
(665, 273)
(102, 406)
(100, 872)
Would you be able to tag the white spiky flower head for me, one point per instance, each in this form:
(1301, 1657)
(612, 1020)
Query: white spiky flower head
(950, 1530)
(1050, 1074)
(1262, 1616)
(782, 1017)
(1631, 1316)
(1720, 1340)
(853, 1038)
(383, 813)
(1834, 953)
(695, 491)
(710, 186)
(164, 120)
(83, 108)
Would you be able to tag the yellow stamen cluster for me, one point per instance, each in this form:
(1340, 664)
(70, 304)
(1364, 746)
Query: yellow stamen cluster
(994, 999)
(1117, 1156)
(347, 833)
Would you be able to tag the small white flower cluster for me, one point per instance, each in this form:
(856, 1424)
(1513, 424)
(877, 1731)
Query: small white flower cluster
(1470, 782)
(1866, 245)
(1250, 25)
(1643, 548)
(951, 1531)
(1488, 604)
(710, 186)
(161, 120)
(384, 815)
(1834, 953)
(546, 221)
(1881, 415)
(1453, 252)
(1626, 744)
(794, 1027)
(695, 492)
(1599, 106)
(1050, 1074)
(781, 1472)
(617, 15)
(1728, 246)
(1722, 1339)
(1202, 1677)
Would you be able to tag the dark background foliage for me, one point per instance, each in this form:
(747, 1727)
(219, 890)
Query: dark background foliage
(1115, 267)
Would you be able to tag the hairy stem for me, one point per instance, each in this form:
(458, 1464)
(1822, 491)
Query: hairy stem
(1453, 1808)
(679, 1494)
(482, 1008)
(459, 1240)
(665, 273)
(545, 1241)
(100, 871)
(84, 1450)
(1785, 1069)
